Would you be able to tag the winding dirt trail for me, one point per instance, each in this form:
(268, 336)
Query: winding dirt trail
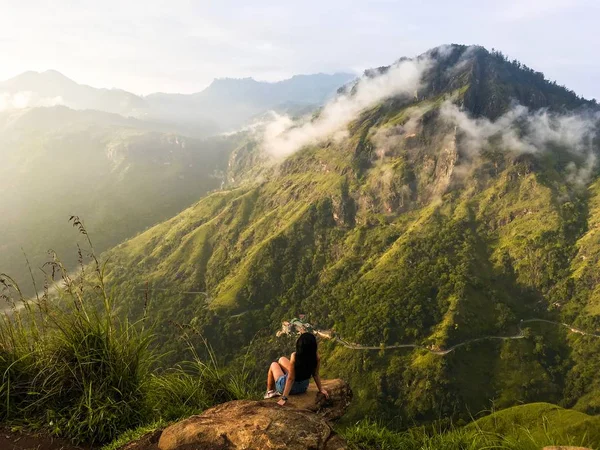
(297, 326)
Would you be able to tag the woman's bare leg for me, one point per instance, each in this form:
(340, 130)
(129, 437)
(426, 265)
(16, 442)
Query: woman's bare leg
(285, 364)
(274, 373)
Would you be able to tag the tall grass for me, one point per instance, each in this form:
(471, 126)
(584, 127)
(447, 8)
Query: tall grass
(178, 393)
(71, 365)
(368, 435)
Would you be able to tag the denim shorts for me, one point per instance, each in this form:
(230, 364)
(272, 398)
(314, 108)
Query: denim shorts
(299, 387)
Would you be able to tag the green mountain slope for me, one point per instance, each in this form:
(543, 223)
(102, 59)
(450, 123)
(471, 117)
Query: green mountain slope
(441, 216)
(531, 426)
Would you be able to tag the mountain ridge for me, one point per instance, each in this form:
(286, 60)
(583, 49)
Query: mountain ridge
(30, 76)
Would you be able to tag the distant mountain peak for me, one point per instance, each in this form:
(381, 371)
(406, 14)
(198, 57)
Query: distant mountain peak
(51, 86)
(249, 81)
(31, 76)
(234, 80)
(55, 73)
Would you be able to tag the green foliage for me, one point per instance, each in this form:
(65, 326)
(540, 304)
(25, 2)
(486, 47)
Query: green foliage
(540, 421)
(76, 369)
(194, 386)
(527, 427)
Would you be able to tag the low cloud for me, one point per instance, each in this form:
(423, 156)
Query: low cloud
(580, 176)
(283, 136)
(26, 99)
(387, 139)
(522, 131)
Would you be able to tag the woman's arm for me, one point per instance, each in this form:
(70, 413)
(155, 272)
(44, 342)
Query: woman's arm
(291, 377)
(318, 378)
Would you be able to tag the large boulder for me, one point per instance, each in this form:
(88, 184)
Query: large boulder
(331, 408)
(246, 424)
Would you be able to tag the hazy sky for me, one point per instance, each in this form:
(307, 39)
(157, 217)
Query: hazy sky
(180, 46)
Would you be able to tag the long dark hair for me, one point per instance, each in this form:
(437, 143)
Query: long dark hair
(306, 356)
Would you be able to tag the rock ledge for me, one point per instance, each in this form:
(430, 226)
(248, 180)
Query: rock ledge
(303, 423)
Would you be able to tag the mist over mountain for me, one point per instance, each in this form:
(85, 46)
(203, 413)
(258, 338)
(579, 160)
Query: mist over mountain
(228, 103)
(120, 161)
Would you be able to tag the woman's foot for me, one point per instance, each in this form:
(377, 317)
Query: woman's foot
(272, 393)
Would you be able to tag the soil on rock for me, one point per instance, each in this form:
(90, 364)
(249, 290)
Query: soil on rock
(147, 442)
(562, 447)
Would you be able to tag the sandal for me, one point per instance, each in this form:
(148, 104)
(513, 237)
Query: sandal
(272, 393)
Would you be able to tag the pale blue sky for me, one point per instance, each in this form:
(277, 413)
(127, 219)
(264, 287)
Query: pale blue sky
(180, 46)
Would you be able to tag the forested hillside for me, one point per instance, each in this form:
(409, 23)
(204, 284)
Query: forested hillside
(449, 208)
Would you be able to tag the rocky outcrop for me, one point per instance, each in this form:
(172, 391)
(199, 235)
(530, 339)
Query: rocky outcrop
(303, 423)
(245, 424)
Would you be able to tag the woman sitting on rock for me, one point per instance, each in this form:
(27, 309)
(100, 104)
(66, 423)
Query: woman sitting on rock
(291, 376)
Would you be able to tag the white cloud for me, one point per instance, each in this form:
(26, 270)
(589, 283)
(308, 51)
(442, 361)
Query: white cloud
(26, 99)
(283, 137)
(523, 131)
